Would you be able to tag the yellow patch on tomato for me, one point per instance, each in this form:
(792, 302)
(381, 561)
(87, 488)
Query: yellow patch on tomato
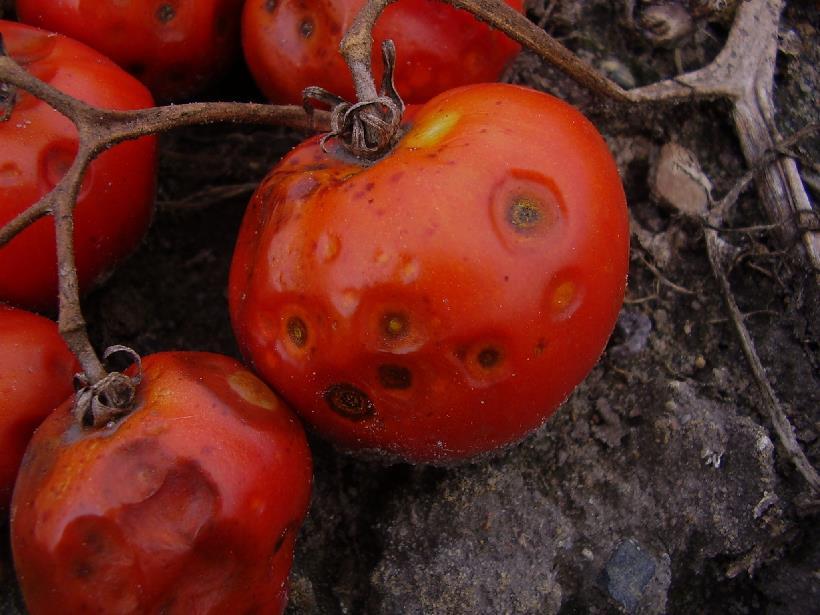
(431, 130)
(252, 390)
(563, 295)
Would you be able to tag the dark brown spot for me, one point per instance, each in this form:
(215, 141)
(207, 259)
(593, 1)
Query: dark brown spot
(281, 539)
(269, 5)
(489, 357)
(524, 214)
(349, 401)
(297, 331)
(306, 28)
(165, 13)
(395, 377)
(395, 325)
(83, 569)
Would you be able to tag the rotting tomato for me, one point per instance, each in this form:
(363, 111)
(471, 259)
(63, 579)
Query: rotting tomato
(290, 45)
(36, 372)
(38, 145)
(445, 300)
(190, 504)
(175, 47)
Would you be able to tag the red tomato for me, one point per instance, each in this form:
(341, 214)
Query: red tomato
(36, 372)
(37, 146)
(290, 45)
(175, 47)
(189, 505)
(445, 300)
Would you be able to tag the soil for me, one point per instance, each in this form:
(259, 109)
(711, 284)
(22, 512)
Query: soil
(660, 486)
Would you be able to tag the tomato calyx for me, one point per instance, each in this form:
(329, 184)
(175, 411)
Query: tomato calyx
(367, 129)
(109, 399)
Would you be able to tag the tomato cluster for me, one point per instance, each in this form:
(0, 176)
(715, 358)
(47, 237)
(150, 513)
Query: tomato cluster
(431, 305)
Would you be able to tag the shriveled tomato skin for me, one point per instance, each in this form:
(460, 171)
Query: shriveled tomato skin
(291, 44)
(175, 47)
(190, 505)
(445, 300)
(36, 372)
(38, 145)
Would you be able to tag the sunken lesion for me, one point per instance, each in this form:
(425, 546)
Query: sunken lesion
(484, 362)
(349, 401)
(525, 214)
(297, 331)
(165, 13)
(395, 377)
(306, 28)
(395, 325)
(489, 357)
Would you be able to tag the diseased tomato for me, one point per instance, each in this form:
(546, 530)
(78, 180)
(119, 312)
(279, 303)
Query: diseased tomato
(38, 145)
(445, 300)
(190, 505)
(290, 45)
(36, 372)
(175, 47)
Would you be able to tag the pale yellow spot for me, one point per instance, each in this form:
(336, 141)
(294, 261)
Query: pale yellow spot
(381, 257)
(432, 130)
(328, 247)
(72, 470)
(10, 174)
(395, 325)
(159, 395)
(562, 296)
(252, 390)
(409, 270)
(347, 302)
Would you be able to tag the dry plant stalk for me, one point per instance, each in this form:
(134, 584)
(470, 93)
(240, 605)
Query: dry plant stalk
(98, 130)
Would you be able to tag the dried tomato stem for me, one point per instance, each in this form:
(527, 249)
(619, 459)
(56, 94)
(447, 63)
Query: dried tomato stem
(71, 323)
(99, 129)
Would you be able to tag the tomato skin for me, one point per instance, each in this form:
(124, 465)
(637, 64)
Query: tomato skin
(37, 146)
(36, 372)
(290, 45)
(175, 47)
(445, 300)
(189, 505)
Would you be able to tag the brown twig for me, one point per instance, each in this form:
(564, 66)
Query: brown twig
(663, 279)
(771, 404)
(100, 129)
(743, 73)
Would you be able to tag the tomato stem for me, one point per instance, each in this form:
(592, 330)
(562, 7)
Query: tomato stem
(110, 398)
(367, 129)
(100, 129)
